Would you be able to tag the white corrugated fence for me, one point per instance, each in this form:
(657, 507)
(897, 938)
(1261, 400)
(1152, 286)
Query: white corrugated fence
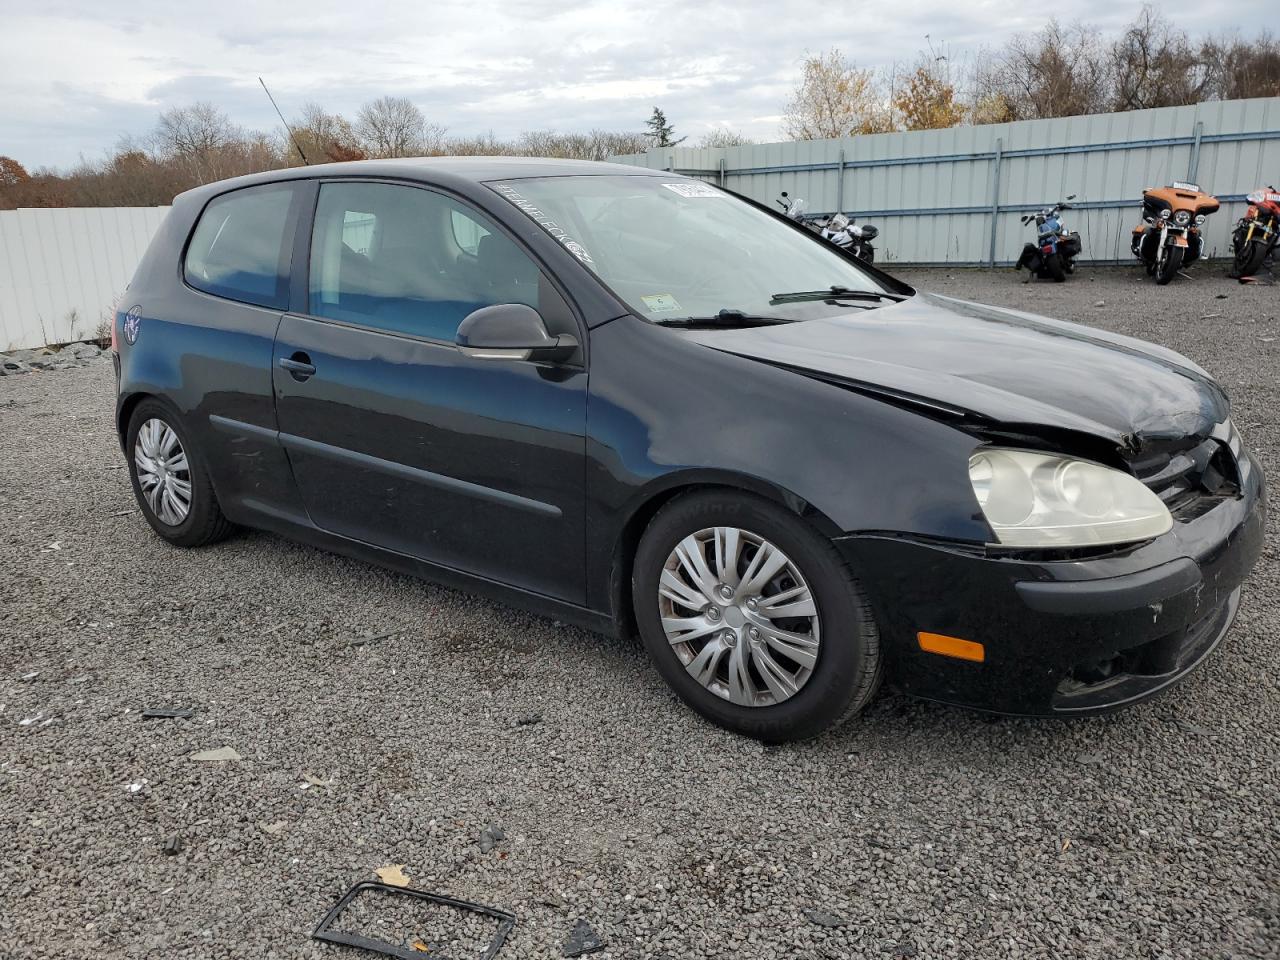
(62, 269)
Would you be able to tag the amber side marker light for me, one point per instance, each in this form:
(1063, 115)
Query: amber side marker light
(945, 646)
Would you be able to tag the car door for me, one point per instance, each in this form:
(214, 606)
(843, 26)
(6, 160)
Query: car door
(396, 437)
(221, 324)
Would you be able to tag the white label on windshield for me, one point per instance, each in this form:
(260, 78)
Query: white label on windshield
(660, 303)
(693, 190)
(544, 221)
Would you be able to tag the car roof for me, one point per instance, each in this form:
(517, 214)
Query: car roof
(441, 170)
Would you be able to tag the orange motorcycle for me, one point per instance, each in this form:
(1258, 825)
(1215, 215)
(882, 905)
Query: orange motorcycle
(1169, 236)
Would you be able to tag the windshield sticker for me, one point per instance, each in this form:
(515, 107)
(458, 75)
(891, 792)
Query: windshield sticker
(693, 190)
(543, 220)
(660, 303)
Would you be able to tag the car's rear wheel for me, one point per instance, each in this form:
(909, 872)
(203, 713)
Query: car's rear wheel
(753, 618)
(170, 479)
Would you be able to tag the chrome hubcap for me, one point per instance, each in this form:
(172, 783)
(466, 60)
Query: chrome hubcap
(739, 615)
(163, 472)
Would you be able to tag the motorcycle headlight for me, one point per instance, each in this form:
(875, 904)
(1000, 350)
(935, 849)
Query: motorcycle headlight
(1182, 217)
(1200, 219)
(1164, 214)
(1036, 499)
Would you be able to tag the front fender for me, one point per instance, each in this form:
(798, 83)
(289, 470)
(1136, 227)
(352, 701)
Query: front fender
(664, 411)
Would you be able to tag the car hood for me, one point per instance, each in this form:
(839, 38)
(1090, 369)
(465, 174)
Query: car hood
(988, 363)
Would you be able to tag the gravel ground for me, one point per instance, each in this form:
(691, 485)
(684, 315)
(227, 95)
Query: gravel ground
(917, 830)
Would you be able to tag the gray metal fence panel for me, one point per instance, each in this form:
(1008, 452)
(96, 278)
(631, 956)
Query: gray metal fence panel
(955, 196)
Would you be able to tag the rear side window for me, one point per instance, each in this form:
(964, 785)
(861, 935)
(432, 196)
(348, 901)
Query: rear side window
(413, 261)
(238, 250)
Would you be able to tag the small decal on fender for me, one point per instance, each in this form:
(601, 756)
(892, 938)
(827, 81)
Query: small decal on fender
(132, 324)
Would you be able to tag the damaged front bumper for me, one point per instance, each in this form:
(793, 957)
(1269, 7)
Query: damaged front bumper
(1062, 637)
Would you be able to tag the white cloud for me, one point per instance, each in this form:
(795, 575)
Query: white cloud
(80, 73)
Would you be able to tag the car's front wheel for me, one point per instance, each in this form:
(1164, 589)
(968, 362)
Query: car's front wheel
(753, 617)
(169, 478)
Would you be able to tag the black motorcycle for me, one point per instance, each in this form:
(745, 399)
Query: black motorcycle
(1052, 255)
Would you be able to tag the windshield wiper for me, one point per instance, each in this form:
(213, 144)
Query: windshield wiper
(725, 318)
(834, 293)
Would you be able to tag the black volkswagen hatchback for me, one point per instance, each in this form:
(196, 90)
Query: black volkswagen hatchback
(631, 400)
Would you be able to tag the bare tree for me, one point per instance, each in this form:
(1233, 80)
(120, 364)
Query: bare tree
(1057, 72)
(197, 137)
(1239, 69)
(325, 136)
(394, 127)
(1155, 65)
(834, 99)
(723, 137)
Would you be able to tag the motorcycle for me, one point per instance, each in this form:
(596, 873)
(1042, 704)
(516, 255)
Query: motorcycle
(1052, 255)
(838, 229)
(1169, 237)
(1256, 232)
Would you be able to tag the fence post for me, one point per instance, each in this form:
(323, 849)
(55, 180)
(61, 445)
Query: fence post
(671, 163)
(840, 182)
(1193, 167)
(722, 171)
(995, 200)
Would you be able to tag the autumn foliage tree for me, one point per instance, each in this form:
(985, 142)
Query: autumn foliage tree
(926, 100)
(834, 99)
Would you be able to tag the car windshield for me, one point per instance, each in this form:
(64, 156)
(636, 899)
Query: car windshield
(676, 249)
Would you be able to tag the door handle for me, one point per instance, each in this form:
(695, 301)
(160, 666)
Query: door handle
(299, 366)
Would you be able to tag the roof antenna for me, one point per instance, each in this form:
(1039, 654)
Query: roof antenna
(297, 146)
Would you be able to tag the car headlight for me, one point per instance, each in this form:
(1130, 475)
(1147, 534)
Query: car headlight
(1036, 499)
(1182, 217)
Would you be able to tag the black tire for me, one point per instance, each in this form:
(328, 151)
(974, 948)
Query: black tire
(1168, 269)
(1053, 268)
(1248, 258)
(849, 667)
(205, 522)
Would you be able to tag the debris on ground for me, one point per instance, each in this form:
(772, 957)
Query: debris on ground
(824, 918)
(363, 641)
(272, 828)
(490, 837)
(49, 358)
(221, 753)
(528, 719)
(313, 781)
(172, 847)
(325, 933)
(904, 950)
(168, 713)
(582, 940)
(393, 875)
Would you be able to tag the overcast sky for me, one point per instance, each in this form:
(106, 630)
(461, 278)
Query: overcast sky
(75, 75)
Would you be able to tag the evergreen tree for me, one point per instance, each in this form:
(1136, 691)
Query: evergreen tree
(661, 132)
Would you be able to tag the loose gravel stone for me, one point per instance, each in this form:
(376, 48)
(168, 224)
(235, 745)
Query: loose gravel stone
(916, 822)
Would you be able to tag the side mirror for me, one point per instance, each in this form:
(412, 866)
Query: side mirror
(511, 331)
